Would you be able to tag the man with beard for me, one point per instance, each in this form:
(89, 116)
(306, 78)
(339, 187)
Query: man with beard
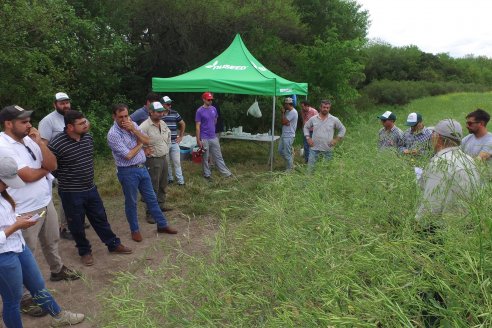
(324, 139)
(21, 141)
(478, 143)
(49, 127)
(74, 150)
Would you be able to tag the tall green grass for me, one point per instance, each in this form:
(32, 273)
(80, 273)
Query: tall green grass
(336, 248)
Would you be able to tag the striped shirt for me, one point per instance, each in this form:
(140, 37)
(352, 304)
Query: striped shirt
(419, 141)
(392, 139)
(15, 242)
(75, 162)
(121, 142)
(172, 119)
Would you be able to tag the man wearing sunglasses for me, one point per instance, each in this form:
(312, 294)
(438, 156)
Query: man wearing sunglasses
(21, 141)
(478, 143)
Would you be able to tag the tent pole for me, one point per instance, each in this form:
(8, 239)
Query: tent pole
(273, 135)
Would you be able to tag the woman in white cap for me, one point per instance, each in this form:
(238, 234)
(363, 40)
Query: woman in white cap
(17, 264)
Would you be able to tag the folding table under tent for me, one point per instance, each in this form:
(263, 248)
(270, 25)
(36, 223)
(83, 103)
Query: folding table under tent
(234, 71)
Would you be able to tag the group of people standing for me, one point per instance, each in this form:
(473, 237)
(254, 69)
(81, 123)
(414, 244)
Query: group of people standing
(145, 147)
(321, 132)
(458, 165)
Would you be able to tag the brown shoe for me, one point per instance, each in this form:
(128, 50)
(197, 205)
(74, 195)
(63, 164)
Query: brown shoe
(29, 307)
(121, 249)
(167, 229)
(87, 259)
(65, 274)
(136, 236)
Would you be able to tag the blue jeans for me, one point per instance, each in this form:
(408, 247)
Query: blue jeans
(79, 204)
(315, 154)
(285, 150)
(306, 146)
(17, 269)
(135, 179)
(175, 160)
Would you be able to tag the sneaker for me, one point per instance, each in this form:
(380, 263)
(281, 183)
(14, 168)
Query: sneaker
(29, 307)
(170, 181)
(65, 274)
(181, 184)
(166, 209)
(122, 249)
(67, 318)
(167, 229)
(149, 219)
(87, 259)
(65, 234)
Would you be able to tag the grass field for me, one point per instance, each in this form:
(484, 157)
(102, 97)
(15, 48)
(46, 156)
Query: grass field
(339, 248)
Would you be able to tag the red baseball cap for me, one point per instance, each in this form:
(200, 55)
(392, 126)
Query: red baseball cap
(207, 96)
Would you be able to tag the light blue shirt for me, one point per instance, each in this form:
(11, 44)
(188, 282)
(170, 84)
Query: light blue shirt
(289, 131)
(121, 142)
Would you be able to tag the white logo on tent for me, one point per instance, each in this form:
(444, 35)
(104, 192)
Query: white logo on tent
(226, 66)
(285, 90)
(259, 68)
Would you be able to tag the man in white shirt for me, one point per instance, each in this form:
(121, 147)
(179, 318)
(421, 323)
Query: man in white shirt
(49, 127)
(289, 126)
(21, 141)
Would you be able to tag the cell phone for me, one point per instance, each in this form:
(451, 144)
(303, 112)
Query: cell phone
(37, 216)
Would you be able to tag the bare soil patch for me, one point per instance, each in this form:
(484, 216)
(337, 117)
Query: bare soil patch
(82, 295)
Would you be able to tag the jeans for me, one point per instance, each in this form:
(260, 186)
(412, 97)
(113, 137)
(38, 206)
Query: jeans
(212, 149)
(315, 154)
(17, 269)
(175, 160)
(306, 146)
(135, 179)
(79, 204)
(285, 150)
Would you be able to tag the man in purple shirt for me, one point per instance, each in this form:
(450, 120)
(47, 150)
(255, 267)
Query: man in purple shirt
(205, 119)
(126, 141)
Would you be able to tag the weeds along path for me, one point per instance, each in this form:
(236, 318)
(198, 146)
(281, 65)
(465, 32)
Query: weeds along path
(85, 295)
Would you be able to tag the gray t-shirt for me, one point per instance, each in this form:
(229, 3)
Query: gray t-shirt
(324, 131)
(51, 125)
(473, 146)
(290, 130)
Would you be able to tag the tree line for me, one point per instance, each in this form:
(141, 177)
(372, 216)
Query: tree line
(106, 51)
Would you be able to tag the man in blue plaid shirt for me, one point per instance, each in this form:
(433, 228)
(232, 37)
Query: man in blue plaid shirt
(416, 140)
(390, 136)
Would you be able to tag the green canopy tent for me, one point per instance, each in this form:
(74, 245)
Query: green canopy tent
(234, 71)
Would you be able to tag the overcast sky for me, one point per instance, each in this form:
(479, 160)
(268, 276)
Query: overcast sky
(457, 27)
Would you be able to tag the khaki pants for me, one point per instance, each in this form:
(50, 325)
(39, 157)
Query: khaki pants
(48, 233)
(158, 170)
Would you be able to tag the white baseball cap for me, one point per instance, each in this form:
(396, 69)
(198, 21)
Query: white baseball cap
(8, 173)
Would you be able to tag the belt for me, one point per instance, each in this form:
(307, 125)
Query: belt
(140, 166)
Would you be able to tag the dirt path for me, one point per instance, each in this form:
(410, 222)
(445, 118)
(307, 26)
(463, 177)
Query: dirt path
(81, 295)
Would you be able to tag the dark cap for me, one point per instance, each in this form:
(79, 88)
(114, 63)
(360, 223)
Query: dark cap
(387, 116)
(413, 119)
(13, 112)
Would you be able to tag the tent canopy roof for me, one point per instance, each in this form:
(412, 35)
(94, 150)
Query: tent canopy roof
(233, 71)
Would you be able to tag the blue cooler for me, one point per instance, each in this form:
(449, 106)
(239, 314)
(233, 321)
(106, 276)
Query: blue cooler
(185, 153)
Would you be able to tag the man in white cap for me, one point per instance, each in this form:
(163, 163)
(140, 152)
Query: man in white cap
(389, 136)
(417, 137)
(157, 153)
(451, 178)
(289, 125)
(177, 126)
(49, 127)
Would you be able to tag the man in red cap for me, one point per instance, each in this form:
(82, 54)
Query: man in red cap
(205, 119)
